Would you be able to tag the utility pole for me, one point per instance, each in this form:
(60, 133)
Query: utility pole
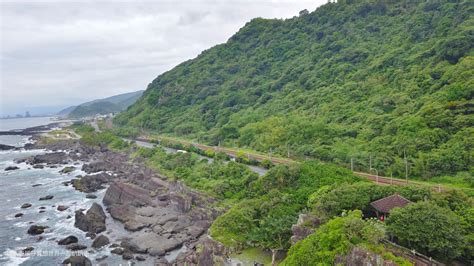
(288, 146)
(406, 165)
(352, 164)
(370, 162)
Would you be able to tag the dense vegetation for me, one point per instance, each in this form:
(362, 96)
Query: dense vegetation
(352, 79)
(436, 224)
(259, 211)
(336, 237)
(92, 138)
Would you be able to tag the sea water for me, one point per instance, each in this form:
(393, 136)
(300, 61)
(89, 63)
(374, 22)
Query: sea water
(16, 188)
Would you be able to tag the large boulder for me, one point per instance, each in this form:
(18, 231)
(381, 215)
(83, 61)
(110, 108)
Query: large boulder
(95, 167)
(36, 229)
(100, 241)
(154, 244)
(48, 197)
(126, 193)
(68, 240)
(91, 183)
(67, 169)
(93, 221)
(26, 205)
(11, 168)
(62, 208)
(50, 158)
(77, 261)
(76, 246)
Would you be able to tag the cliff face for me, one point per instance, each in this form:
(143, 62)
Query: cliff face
(125, 193)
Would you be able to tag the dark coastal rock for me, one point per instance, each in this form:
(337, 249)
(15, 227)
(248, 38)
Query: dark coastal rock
(76, 246)
(91, 196)
(37, 185)
(11, 168)
(36, 229)
(140, 258)
(26, 205)
(18, 215)
(38, 166)
(4, 147)
(62, 208)
(42, 211)
(128, 245)
(50, 158)
(134, 226)
(91, 183)
(90, 235)
(42, 208)
(120, 212)
(181, 202)
(127, 255)
(28, 249)
(118, 251)
(67, 169)
(48, 197)
(155, 245)
(93, 221)
(101, 258)
(68, 240)
(100, 241)
(95, 167)
(126, 193)
(77, 261)
(206, 252)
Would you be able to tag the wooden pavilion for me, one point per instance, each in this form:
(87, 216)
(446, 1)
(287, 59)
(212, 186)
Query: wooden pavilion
(383, 206)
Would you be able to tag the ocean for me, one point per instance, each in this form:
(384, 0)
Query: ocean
(16, 188)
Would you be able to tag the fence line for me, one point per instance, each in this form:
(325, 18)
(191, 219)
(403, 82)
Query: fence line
(419, 259)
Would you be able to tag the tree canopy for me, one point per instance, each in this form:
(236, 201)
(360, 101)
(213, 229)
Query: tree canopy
(351, 79)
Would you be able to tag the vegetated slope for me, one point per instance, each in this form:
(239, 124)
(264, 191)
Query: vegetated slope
(352, 79)
(66, 111)
(111, 104)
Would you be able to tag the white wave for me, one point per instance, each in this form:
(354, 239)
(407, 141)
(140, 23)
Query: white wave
(14, 257)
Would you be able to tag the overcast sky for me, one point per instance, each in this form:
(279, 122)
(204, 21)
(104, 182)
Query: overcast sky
(61, 53)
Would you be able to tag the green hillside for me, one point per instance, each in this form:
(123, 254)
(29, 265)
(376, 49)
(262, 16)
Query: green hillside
(113, 104)
(352, 79)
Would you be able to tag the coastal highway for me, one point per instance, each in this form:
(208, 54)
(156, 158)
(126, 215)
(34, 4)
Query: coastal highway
(144, 141)
(380, 180)
(259, 170)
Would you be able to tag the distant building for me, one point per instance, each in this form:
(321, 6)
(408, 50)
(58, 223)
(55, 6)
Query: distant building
(385, 205)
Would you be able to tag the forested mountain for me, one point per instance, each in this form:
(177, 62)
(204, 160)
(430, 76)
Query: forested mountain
(353, 79)
(107, 105)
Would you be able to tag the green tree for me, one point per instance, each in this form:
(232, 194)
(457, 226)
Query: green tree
(428, 229)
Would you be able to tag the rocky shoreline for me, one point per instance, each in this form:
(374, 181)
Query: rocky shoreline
(159, 215)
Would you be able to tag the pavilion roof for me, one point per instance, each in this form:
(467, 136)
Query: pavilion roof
(386, 204)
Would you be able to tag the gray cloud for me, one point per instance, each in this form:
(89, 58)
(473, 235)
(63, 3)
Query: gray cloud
(62, 53)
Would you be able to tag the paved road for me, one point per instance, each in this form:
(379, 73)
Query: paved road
(259, 170)
(380, 180)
